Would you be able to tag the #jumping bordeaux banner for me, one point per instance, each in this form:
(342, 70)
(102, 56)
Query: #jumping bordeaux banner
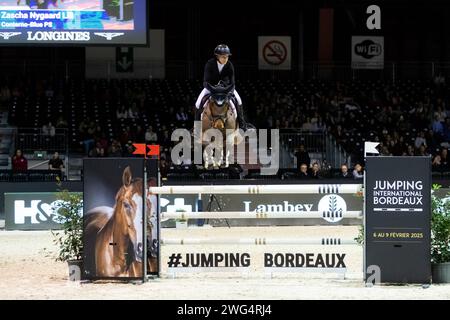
(114, 203)
(398, 217)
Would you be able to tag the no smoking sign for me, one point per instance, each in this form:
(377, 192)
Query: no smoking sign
(275, 52)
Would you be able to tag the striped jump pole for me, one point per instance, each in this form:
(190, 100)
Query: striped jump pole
(261, 215)
(258, 241)
(261, 189)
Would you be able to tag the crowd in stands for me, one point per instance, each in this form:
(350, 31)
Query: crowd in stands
(104, 118)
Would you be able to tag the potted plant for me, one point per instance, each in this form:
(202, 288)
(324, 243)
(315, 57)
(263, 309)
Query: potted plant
(440, 238)
(68, 211)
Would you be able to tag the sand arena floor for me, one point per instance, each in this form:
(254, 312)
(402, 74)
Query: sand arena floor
(28, 271)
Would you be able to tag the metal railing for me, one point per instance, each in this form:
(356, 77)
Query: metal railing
(30, 140)
(291, 139)
(193, 69)
(321, 146)
(335, 155)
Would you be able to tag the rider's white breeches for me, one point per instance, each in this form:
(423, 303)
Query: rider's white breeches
(206, 91)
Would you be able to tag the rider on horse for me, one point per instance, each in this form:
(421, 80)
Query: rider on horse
(220, 69)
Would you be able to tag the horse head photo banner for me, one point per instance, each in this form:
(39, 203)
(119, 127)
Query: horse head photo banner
(114, 203)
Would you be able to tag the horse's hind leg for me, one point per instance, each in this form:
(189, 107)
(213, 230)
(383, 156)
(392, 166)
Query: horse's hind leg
(206, 159)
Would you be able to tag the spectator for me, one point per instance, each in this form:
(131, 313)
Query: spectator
(98, 151)
(303, 174)
(164, 168)
(422, 151)
(420, 140)
(150, 136)
(358, 172)
(302, 157)
(436, 164)
(19, 162)
(315, 171)
(48, 130)
(115, 150)
(445, 162)
(181, 116)
(133, 111)
(446, 134)
(439, 80)
(122, 113)
(61, 123)
(438, 127)
(409, 151)
(56, 163)
(49, 92)
(308, 126)
(344, 174)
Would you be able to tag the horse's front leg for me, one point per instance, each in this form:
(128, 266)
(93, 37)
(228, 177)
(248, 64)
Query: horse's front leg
(206, 158)
(229, 143)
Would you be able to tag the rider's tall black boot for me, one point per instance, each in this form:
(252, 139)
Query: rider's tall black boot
(240, 117)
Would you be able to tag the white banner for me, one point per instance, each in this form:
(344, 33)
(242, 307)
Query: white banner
(367, 52)
(274, 53)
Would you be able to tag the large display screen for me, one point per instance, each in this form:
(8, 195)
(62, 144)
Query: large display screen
(82, 22)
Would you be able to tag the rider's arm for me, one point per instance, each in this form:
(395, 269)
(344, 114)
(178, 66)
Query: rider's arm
(207, 76)
(231, 75)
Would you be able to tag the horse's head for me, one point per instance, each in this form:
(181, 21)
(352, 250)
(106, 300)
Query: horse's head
(220, 99)
(128, 214)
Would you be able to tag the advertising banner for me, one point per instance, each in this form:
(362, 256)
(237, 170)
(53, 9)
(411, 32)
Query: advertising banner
(31, 211)
(332, 206)
(114, 206)
(398, 217)
(81, 22)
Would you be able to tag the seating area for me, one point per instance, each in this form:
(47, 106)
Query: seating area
(122, 110)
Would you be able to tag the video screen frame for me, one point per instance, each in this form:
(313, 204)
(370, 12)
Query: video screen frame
(138, 37)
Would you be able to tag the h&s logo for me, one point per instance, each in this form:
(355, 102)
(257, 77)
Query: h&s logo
(37, 212)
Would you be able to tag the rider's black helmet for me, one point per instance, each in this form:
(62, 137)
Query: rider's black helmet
(222, 49)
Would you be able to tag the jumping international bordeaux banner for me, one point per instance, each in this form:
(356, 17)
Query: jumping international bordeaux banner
(398, 215)
(114, 203)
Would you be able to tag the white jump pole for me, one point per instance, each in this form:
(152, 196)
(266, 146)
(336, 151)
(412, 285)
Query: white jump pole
(261, 215)
(258, 241)
(260, 189)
